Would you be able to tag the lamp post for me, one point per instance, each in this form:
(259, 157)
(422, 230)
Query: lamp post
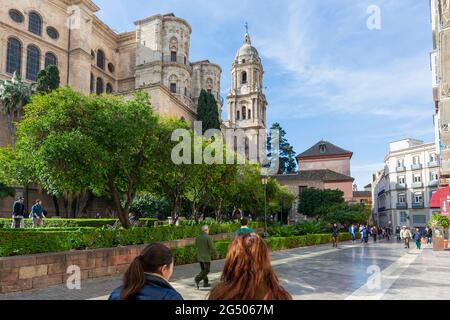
(265, 180)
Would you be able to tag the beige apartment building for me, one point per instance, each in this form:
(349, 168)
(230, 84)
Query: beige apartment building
(440, 65)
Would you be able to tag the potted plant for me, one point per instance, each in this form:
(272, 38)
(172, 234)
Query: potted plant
(439, 225)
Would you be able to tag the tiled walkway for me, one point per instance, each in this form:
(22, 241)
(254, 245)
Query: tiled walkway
(376, 271)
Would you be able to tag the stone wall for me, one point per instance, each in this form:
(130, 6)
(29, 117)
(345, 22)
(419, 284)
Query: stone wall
(45, 270)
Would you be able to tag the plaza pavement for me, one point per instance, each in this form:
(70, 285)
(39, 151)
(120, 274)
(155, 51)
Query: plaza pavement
(381, 271)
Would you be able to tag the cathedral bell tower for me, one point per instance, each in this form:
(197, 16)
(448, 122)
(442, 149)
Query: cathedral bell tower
(246, 100)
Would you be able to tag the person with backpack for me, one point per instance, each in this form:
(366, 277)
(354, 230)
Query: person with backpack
(417, 237)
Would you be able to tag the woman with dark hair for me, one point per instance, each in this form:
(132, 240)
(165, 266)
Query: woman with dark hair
(248, 273)
(148, 276)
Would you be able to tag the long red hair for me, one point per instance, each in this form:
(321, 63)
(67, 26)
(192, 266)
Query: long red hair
(248, 273)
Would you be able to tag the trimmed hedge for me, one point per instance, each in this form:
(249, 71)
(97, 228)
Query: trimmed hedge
(30, 241)
(188, 255)
(5, 223)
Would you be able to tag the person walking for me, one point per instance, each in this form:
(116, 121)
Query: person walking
(417, 237)
(397, 233)
(205, 250)
(405, 235)
(429, 235)
(37, 214)
(248, 273)
(366, 233)
(352, 231)
(18, 214)
(361, 232)
(335, 235)
(244, 228)
(374, 232)
(148, 277)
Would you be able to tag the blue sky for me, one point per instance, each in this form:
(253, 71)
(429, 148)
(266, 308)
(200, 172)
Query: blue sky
(326, 74)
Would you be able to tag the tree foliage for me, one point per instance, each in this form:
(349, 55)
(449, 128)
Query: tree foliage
(313, 202)
(286, 152)
(48, 79)
(207, 111)
(14, 94)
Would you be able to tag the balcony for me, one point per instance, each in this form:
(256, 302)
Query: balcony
(402, 206)
(400, 169)
(417, 185)
(398, 186)
(434, 183)
(418, 205)
(416, 167)
(433, 164)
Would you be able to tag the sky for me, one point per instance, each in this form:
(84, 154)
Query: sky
(327, 75)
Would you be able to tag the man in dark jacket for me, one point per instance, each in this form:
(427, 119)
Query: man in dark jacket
(335, 235)
(205, 250)
(18, 214)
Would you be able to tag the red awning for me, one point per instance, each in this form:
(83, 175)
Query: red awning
(438, 196)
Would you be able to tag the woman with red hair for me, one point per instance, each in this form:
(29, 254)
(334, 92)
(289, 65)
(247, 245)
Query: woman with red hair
(248, 273)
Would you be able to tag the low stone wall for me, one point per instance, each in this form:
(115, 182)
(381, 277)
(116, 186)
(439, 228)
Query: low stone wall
(40, 271)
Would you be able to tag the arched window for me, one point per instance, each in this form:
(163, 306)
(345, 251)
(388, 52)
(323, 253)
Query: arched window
(238, 117)
(99, 86)
(35, 23)
(50, 59)
(101, 59)
(244, 77)
(249, 114)
(173, 79)
(244, 113)
(92, 83)
(33, 62)
(109, 88)
(14, 56)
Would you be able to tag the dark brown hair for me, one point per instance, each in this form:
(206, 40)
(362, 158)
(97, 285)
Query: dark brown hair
(248, 273)
(151, 260)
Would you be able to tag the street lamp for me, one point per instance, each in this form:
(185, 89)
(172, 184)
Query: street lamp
(264, 180)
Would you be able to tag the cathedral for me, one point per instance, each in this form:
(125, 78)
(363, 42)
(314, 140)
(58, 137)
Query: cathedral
(155, 57)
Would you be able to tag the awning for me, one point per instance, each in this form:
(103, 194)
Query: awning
(441, 195)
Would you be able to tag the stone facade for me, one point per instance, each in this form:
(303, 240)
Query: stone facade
(247, 104)
(40, 271)
(92, 58)
(403, 189)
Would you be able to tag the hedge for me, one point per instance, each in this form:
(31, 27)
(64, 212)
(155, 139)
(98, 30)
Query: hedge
(5, 223)
(188, 255)
(30, 241)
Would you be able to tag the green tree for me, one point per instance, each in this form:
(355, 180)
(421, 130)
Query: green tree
(14, 94)
(207, 111)
(286, 154)
(312, 201)
(48, 79)
(345, 214)
(71, 143)
(6, 191)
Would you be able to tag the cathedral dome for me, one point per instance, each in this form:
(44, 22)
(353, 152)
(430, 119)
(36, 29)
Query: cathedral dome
(247, 51)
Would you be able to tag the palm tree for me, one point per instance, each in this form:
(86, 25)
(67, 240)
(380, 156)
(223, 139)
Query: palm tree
(14, 94)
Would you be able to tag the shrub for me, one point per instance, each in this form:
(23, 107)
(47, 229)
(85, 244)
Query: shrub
(5, 223)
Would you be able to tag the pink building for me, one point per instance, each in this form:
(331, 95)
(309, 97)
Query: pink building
(323, 166)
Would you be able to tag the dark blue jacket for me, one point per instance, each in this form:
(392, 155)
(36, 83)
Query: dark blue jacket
(18, 209)
(156, 288)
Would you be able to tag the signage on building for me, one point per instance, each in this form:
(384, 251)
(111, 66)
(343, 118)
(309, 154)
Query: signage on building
(445, 207)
